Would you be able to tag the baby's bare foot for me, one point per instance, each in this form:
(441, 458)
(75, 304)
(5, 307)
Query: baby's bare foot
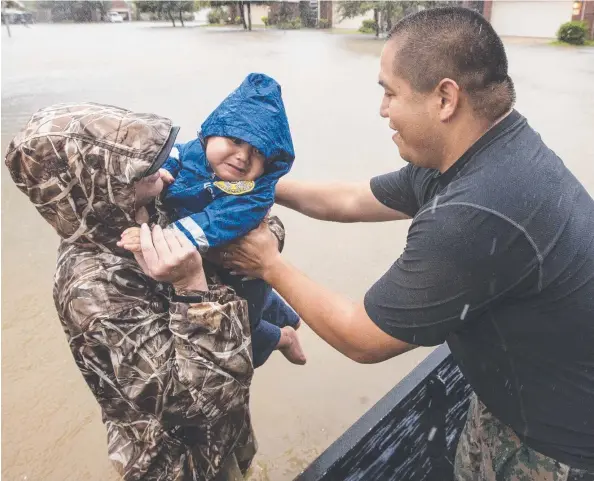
(290, 346)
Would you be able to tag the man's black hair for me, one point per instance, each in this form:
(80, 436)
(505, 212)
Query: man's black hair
(456, 43)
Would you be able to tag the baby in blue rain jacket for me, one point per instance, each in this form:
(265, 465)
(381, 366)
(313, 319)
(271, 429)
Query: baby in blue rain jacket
(222, 186)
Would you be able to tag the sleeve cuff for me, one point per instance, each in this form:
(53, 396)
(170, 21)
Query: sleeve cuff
(278, 229)
(419, 336)
(217, 293)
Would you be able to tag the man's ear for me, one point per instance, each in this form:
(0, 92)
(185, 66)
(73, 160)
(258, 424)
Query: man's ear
(448, 95)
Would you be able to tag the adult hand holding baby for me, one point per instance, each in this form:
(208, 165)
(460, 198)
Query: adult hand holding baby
(166, 255)
(253, 255)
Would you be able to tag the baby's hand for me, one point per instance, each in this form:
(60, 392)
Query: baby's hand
(130, 239)
(166, 177)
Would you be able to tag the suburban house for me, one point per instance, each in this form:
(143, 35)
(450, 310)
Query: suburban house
(123, 8)
(525, 18)
(510, 18)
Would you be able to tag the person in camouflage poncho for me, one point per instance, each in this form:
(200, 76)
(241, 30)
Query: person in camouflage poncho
(171, 369)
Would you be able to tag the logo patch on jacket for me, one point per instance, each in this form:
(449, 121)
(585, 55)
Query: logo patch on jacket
(236, 188)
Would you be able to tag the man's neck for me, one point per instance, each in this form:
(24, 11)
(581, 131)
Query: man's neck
(464, 137)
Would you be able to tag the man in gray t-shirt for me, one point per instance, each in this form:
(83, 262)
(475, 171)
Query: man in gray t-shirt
(499, 259)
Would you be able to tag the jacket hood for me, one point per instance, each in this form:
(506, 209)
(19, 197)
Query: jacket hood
(255, 113)
(77, 163)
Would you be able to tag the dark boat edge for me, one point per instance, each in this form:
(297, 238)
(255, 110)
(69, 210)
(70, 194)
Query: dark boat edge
(411, 433)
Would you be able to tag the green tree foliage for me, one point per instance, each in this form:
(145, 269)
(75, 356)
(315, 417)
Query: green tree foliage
(169, 9)
(387, 13)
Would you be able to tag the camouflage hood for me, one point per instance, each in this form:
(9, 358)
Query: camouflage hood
(78, 164)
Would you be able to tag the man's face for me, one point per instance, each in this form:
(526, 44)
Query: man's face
(233, 159)
(147, 189)
(411, 114)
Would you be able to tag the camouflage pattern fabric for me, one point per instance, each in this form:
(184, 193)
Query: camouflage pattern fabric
(172, 378)
(278, 229)
(488, 450)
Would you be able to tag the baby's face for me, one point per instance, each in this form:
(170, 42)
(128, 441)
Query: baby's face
(233, 159)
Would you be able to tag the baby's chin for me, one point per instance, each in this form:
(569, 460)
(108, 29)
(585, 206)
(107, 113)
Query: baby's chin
(231, 178)
(234, 178)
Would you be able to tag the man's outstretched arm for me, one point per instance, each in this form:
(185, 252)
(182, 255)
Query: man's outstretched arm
(342, 323)
(335, 201)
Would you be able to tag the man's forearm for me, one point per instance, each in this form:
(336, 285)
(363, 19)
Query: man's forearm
(334, 201)
(334, 318)
(323, 201)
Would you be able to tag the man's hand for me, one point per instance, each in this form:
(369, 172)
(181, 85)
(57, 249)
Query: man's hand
(253, 254)
(168, 256)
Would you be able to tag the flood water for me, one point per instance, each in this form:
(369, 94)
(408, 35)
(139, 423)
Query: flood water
(51, 427)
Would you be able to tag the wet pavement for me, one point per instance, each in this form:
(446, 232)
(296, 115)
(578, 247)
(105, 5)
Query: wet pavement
(51, 429)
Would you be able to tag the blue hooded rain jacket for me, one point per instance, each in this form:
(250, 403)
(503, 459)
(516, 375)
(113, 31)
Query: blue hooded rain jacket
(212, 212)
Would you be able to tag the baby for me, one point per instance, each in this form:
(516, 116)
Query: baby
(221, 186)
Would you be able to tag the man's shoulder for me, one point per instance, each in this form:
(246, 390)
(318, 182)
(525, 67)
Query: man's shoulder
(467, 234)
(416, 173)
(403, 190)
(461, 217)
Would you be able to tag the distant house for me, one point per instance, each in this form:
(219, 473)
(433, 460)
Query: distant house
(584, 11)
(540, 19)
(513, 18)
(15, 12)
(123, 8)
(12, 15)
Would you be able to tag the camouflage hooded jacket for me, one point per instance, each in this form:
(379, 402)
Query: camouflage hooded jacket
(171, 374)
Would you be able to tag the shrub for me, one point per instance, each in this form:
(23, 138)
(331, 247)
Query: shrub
(265, 21)
(293, 24)
(368, 26)
(215, 16)
(574, 33)
(323, 23)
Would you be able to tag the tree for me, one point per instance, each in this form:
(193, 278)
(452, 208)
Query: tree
(352, 9)
(145, 6)
(246, 19)
(5, 20)
(249, 15)
(167, 8)
(104, 7)
(184, 7)
(236, 9)
(307, 14)
(78, 11)
(242, 15)
(248, 6)
(386, 13)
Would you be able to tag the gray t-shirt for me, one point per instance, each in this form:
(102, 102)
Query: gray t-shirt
(499, 262)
